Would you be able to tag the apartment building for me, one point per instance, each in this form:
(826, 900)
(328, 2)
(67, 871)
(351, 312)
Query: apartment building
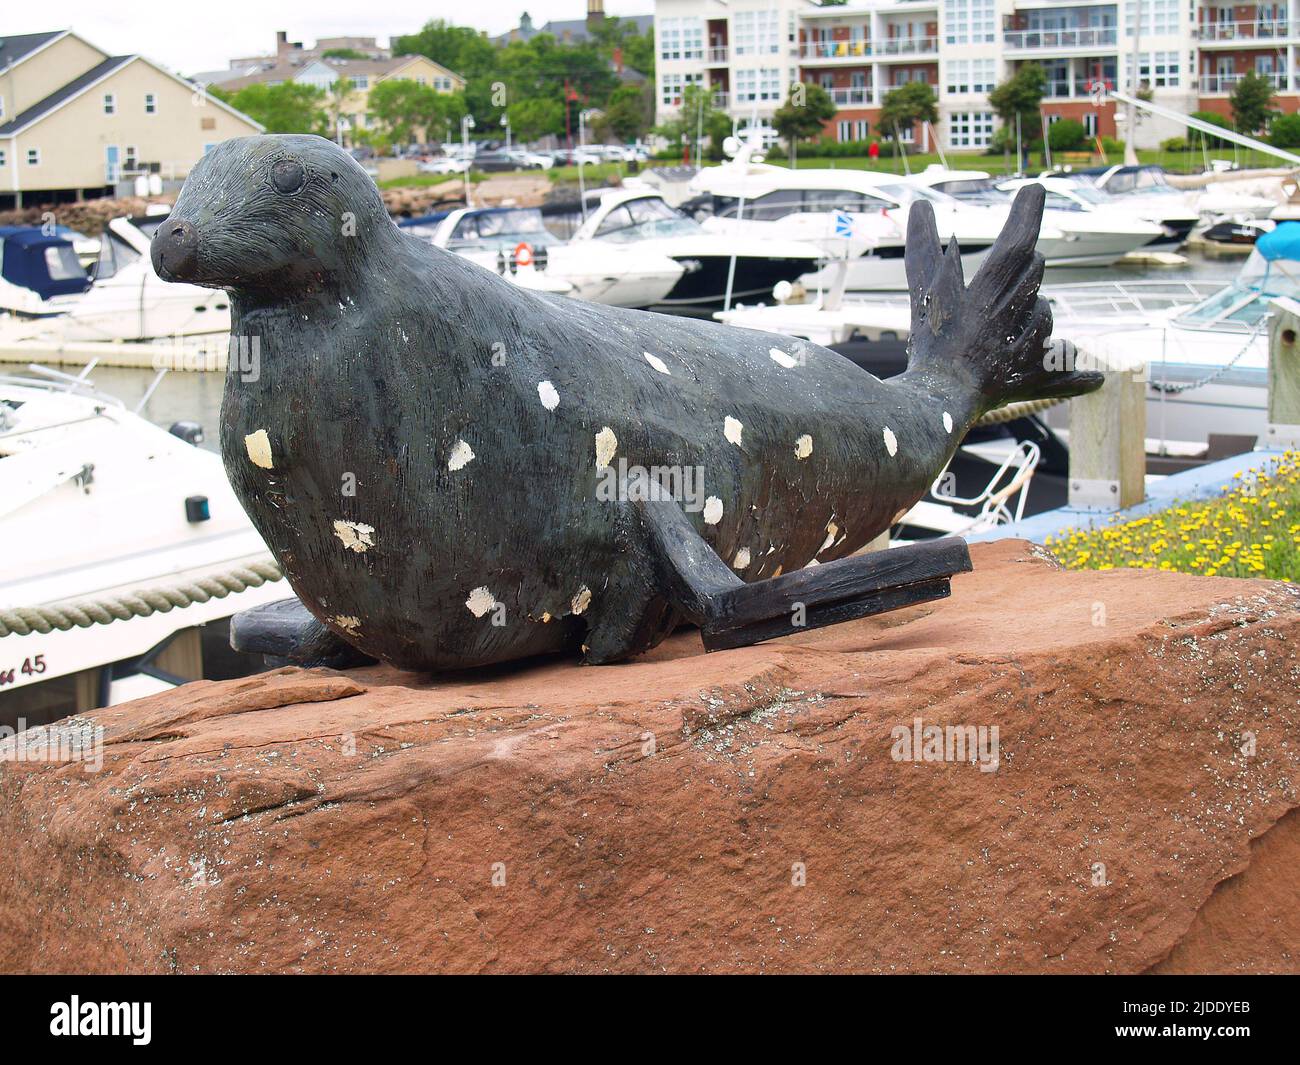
(1190, 55)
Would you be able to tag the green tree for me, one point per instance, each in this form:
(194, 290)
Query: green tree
(1250, 101)
(906, 106)
(335, 100)
(1020, 95)
(629, 114)
(639, 53)
(407, 110)
(803, 114)
(695, 118)
(536, 116)
(285, 108)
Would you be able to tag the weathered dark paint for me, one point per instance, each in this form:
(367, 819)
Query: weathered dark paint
(377, 357)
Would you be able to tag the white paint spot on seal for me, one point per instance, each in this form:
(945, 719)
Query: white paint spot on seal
(582, 600)
(461, 456)
(606, 445)
(732, 429)
(480, 601)
(712, 510)
(258, 445)
(547, 394)
(803, 447)
(832, 530)
(782, 358)
(947, 422)
(741, 561)
(349, 624)
(657, 363)
(891, 442)
(354, 536)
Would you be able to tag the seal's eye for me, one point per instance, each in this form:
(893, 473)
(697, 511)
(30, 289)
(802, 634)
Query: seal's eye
(288, 176)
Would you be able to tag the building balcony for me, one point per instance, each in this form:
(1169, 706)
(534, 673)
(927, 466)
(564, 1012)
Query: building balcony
(720, 100)
(1066, 40)
(906, 46)
(716, 57)
(858, 96)
(833, 50)
(1225, 83)
(1229, 34)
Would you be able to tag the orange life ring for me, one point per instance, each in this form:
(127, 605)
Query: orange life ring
(524, 253)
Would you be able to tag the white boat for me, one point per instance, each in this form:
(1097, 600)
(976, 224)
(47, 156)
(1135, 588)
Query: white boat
(40, 273)
(127, 300)
(98, 504)
(499, 237)
(1204, 346)
(1149, 184)
(1094, 229)
(715, 266)
(851, 214)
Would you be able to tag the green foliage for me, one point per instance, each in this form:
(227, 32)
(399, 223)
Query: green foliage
(639, 54)
(1214, 119)
(1250, 101)
(1066, 135)
(829, 149)
(804, 113)
(628, 115)
(406, 110)
(697, 116)
(1174, 144)
(907, 106)
(536, 117)
(1284, 132)
(1020, 95)
(285, 108)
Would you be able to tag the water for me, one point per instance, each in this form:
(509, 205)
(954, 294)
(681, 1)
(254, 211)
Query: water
(197, 396)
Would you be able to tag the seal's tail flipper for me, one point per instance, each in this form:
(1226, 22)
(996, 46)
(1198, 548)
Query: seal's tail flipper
(731, 613)
(993, 335)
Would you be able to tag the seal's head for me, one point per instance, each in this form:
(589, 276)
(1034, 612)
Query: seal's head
(272, 215)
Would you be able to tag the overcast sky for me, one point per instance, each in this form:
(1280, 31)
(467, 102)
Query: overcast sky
(190, 37)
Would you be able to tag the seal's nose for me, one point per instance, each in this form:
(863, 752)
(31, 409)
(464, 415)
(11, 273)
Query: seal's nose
(175, 250)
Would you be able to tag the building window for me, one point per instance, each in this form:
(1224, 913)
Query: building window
(1156, 70)
(150, 104)
(420, 80)
(757, 32)
(33, 157)
(754, 84)
(843, 130)
(970, 129)
(1090, 123)
(681, 38)
(129, 161)
(860, 129)
(672, 87)
(963, 76)
(2, 107)
(1159, 17)
(3, 160)
(110, 104)
(361, 81)
(969, 21)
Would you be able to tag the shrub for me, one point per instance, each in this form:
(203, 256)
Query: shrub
(1066, 135)
(1285, 131)
(1174, 144)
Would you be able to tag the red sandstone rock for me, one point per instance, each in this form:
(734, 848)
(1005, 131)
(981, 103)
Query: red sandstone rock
(316, 822)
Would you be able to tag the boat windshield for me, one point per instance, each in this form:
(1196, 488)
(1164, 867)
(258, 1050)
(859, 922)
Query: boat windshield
(1243, 305)
(973, 190)
(911, 193)
(643, 218)
(1145, 179)
(497, 230)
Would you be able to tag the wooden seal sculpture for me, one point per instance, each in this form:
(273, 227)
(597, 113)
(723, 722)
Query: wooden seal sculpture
(454, 471)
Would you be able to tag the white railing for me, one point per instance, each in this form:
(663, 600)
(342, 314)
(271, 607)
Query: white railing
(720, 100)
(1227, 82)
(860, 96)
(906, 45)
(717, 56)
(1269, 29)
(1092, 37)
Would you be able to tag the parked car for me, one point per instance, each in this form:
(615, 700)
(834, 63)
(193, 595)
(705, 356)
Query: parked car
(445, 165)
(527, 160)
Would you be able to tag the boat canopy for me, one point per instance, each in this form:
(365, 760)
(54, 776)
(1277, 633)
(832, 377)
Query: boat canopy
(45, 263)
(1273, 269)
(1282, 243)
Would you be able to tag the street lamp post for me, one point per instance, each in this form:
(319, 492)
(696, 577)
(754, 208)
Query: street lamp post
(505, 121)
(467, 124)
(582, 140)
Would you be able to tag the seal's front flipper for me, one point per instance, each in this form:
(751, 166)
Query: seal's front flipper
(731, 613)
(285, 633)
